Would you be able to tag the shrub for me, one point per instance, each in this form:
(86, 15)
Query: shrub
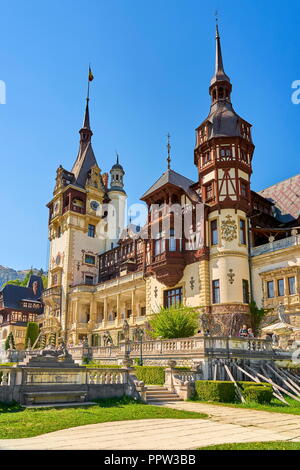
(244, 384)
(102, 366)
(258, 394)
(32, 333)
(151, 375)
(10, 342)
(214, 390)
(174, 322)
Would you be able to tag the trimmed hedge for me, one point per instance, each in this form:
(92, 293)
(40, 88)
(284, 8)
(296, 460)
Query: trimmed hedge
(94, 365)
(224, 391)
(244, 384)
(150, 375)
(214, 390)
(262, 395)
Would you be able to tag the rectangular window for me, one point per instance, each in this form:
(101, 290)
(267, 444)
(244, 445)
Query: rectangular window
(209, 191)
(245, 291)
(143, 311)
(89, 280)
(216, 291)
(159, 245)
(225, 154)
(242, 232)
(206, 158)
(292, 285)
(244, 189)
(270, 289)
(172, 241)
(280, 287)
(214, 232)
(90, 259)
(91, 231)
(172, 297)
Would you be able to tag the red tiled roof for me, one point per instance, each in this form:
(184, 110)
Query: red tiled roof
(286, 196)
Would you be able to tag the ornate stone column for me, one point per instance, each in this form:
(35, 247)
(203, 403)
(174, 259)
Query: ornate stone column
(133, 305)
(105, 311)
(118, 309)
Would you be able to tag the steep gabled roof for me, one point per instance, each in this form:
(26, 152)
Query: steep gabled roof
(286, 197)
(13, 294)
(85, 161)
(171, 177)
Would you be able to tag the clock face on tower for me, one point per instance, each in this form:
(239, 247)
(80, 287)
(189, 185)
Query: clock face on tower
(94, 205)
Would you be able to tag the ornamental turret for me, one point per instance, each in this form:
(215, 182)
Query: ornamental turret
(224, 148)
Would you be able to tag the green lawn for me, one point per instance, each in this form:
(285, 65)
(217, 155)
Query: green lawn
(275, 445)
(17, 422)
(275, 406)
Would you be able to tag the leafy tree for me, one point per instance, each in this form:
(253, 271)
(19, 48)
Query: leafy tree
(32, 333)
(174, 322)
(24, 282)
(257, 315)
(10, 342)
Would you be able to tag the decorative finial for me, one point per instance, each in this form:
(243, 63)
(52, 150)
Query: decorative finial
(217, 23)
(169, 151)
(90, 79)
(117, 157)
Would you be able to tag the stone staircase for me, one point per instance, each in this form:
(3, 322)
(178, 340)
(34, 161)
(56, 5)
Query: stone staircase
(156, 394)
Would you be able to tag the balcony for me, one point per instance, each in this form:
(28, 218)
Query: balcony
(56, 290)
(276, 245)
(52, 296)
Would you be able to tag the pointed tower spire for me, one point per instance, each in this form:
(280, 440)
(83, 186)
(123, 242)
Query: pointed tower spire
(220, 86)
(220, 74)
(86, 120)
(85, 159)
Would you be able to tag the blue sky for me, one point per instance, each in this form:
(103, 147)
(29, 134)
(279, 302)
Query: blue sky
(152, 63)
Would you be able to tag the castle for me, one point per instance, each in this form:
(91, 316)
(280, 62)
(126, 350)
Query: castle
(213, 243)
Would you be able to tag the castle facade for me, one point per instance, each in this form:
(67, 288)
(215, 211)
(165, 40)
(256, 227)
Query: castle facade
(213, 243)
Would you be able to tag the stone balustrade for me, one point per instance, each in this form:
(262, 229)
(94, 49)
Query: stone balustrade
(184, 350)
(188, 376)
(46, 379)
(276, 245)
(106, 376)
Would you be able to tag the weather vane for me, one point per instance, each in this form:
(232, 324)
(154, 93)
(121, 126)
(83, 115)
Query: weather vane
(169, 152)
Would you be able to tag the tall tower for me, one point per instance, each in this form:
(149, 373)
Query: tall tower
(118, 200)
(76, 230)
(223, 156)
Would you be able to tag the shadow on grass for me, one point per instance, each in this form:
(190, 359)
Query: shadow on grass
(119, 402)
(12, 407)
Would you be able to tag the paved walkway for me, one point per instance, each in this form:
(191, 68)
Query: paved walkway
(224, 426)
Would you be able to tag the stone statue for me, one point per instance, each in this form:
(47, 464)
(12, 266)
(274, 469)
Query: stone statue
(62, 350)
(125, 330)
(49, 350)
(107, 339)
(29, 344)
(281, 314)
